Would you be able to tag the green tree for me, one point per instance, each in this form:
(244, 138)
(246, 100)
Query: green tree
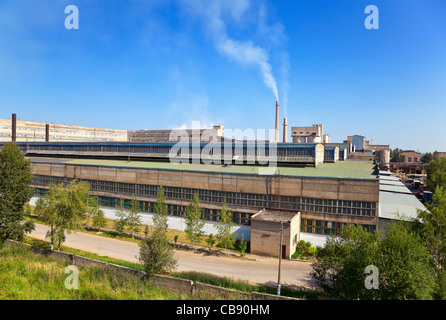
(224, 235)
(339, 269)
(156, 254)
(121, 216)
(210, 241)
(46, 210)
(405, 268)
(15, 178)
(27, 210)
(436, 175)
(243, 245)
(427, 157)
(194, 225)
(401, 158)
(160, 218)
(133, 218)
(395, 153)
(64, 208)
(405, 271)
(95, 216)
(431, 226)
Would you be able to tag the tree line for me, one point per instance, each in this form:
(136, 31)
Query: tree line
(409, 254)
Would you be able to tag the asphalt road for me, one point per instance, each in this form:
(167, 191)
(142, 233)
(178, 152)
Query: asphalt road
(262, 270)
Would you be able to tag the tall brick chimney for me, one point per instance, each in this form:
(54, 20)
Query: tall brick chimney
(285, 129)
(47, 132)
(14, 128)
(277, 121)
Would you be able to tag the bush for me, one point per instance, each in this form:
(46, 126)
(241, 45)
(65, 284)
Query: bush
(304, 249)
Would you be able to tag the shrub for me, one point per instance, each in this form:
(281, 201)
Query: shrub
(304, 249)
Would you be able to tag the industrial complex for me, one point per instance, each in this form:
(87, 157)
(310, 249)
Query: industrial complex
(306, 189)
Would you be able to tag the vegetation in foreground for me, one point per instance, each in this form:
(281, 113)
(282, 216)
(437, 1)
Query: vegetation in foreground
(245, 286)
(27, 276)
(225, 282)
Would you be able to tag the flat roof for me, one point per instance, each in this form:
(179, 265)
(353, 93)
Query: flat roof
(274, 216)
(341, 169)
(394, 188)
(389, 178)
(398, 206)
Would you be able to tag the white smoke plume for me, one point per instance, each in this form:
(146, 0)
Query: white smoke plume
(212, 13)
(285, 70)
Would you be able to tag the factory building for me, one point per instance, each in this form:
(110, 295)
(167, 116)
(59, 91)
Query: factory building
(324, 197)
(304, 190)
(439, 155)
(146, 135)
(313, 134)
(30, 131)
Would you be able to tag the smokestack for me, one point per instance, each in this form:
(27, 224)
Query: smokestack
(47, 132)
(277, 121)
(14, 127)
(285, 129)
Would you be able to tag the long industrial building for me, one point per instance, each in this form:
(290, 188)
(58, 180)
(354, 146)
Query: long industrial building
(309, 191)
(31, 131)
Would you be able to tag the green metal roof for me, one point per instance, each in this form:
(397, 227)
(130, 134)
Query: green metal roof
(342, 169)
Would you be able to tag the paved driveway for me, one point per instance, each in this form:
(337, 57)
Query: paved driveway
(262, 270)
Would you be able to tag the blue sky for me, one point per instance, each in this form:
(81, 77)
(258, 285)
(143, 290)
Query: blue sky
(165, 63)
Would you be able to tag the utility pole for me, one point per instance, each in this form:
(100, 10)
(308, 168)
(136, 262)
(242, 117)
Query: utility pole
(280, 258)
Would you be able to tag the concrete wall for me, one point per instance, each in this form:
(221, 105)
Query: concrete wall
(175, 223)
(317, 240)
(319, 154)
(294, 234)
(161, 281)
(412, 155)
(316, 187)
(265, 237)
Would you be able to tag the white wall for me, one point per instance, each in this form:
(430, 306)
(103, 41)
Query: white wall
(317, 240)
(175, 223)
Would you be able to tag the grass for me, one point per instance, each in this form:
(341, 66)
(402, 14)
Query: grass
(224, 282)
(27, 276)
(46, 245)
(244, 286)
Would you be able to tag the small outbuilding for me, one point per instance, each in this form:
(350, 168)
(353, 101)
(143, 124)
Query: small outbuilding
(268, 226)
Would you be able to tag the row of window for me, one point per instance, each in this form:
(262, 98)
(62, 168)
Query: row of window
(251, 200)
(328, 227)
(240, 218)
(261, 150)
